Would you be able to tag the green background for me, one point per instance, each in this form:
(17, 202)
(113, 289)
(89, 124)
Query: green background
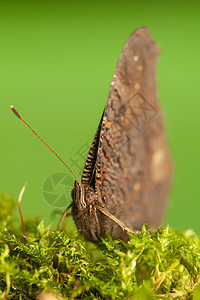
(56, 64)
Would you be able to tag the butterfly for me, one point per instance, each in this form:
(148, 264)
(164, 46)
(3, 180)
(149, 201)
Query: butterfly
(128, 170)
(127, 174)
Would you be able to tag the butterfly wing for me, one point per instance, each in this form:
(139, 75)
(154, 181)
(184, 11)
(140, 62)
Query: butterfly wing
(133, 165)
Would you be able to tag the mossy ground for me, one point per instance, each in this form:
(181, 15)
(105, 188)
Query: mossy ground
(164, 264)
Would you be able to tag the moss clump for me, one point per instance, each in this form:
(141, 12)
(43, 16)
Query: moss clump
(164, 264)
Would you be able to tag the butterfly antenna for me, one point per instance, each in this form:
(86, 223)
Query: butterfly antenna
(18, 115)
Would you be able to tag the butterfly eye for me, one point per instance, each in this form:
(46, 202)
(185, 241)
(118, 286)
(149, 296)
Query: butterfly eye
(90, 197)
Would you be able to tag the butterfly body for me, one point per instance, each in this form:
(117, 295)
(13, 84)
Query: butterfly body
(128, 169)
(91, 222)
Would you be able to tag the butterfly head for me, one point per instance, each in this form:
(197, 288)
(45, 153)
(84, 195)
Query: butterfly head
(82, 196)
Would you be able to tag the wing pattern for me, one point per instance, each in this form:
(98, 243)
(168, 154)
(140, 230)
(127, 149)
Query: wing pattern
(133, 157)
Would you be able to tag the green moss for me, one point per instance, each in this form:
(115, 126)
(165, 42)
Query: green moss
(164, 264)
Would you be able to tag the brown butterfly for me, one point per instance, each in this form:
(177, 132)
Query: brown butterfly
(128, 171)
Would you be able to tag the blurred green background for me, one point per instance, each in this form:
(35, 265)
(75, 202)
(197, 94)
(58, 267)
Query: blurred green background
(57, 59)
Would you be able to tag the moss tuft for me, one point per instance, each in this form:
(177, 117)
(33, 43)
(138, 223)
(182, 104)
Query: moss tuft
(164, 264)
